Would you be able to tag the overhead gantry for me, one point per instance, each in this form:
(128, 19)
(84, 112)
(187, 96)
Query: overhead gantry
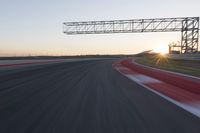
(189, 27)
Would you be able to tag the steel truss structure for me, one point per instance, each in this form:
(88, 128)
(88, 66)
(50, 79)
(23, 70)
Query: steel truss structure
(189, 27)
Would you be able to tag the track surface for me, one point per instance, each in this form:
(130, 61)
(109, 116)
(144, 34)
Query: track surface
(84, 97)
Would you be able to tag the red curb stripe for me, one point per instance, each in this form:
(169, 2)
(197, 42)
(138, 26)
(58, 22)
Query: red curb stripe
(183, 98)
(186, 83)
(174, 92)
(171, 91)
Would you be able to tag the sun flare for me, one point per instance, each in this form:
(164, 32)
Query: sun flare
(162, 49)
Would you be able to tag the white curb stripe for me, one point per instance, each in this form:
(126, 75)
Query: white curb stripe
(143, 78)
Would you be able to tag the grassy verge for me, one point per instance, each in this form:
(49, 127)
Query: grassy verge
(189, 67)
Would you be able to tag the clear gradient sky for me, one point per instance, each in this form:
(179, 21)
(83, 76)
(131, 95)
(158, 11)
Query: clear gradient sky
(34, 27)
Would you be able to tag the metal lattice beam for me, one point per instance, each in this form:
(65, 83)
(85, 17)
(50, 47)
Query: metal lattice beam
(189, 26)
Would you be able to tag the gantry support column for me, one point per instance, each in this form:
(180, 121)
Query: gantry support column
(190, 35)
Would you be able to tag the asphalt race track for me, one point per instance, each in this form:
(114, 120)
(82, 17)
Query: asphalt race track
(84, 97)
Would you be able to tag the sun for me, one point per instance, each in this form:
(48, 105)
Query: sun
(162, 49)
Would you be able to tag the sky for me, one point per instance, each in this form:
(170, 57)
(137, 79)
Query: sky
(34, 27)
